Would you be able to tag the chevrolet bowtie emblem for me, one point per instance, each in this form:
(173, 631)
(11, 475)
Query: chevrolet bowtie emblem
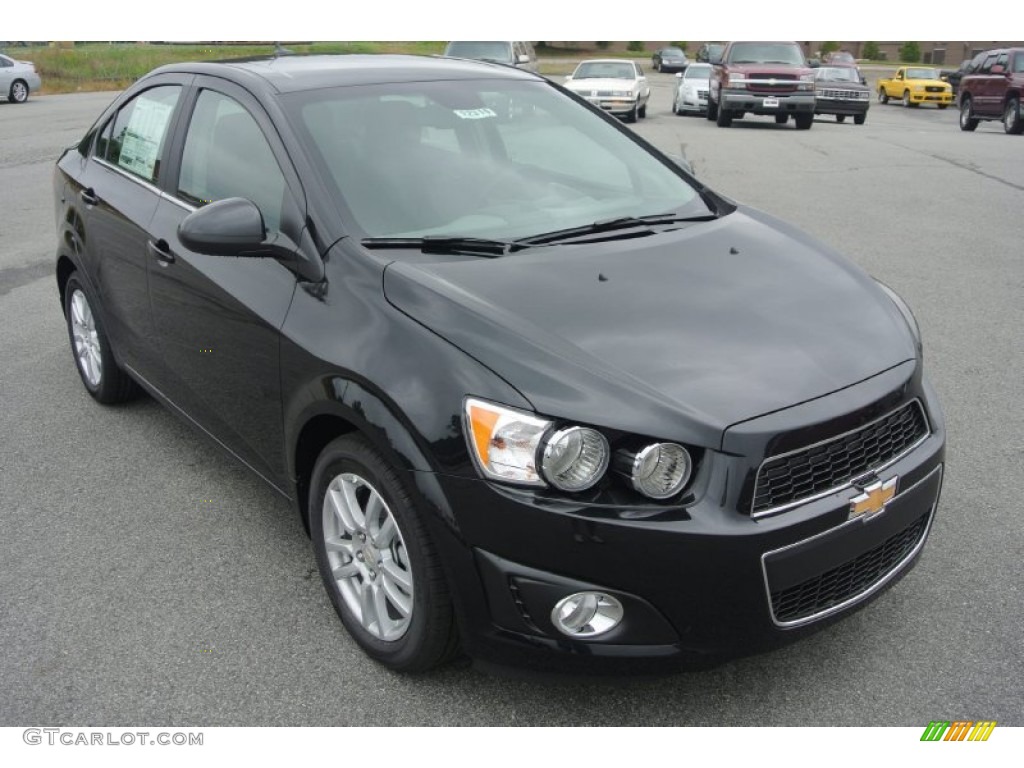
(873, 499)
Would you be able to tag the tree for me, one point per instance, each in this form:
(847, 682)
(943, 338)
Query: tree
(871, 51)
(910, 52)
(636, 45)
(829, 47)
(680, 46)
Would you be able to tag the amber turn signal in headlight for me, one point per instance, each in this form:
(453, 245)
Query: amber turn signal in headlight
(504, 441)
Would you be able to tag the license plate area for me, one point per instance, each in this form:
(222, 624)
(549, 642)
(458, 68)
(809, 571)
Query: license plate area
(770, 102)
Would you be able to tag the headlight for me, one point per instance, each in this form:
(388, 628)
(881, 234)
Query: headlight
(658, 471)
(575, 458)
(504, 441)
(507, 444)
(736, 79)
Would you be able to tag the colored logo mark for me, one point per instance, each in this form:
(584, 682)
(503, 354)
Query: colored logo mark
(960, 730)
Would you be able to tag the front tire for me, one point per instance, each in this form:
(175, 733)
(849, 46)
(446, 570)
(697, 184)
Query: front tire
(883, 97)
(859, 119)
(94, 359)
(724, 118)
(712, 113)
(840, 118)
(642, 112)
(1012, 122)
(781, 119)
(967, 122)
(19, 92)
(632, 115)
(804, 121)
(906, 99)
(376, 559)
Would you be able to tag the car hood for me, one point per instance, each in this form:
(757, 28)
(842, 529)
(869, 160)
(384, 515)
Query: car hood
(924, 81)
(679, 334)
(601, 84)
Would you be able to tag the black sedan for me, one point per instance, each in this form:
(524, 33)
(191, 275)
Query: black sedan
(669, 60)
(533, 389)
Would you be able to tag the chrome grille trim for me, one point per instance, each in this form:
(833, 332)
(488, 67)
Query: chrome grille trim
(848, 483)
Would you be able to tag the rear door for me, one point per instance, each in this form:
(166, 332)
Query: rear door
(116, 195)
(218, 318)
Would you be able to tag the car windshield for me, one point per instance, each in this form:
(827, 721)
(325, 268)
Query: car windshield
(846, 74)
(497, 159)
(922, 73)
(614, 70)
(766, 53)
(675, 53)
(697, 72)
(475, 50)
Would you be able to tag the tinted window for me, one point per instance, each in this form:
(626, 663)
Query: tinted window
(1001, 61)
(989, 61)
(5, 62)
(227, 155)
(697, 72)
(134, 138)
(1018, 62)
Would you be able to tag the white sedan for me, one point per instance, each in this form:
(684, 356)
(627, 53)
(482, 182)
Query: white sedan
(691, 92)
(615, 85)
(17, 79)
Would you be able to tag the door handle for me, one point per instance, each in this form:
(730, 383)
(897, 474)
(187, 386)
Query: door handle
(89, 197)
(161, 251)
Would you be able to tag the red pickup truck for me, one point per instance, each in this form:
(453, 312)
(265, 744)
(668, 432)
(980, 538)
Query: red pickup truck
(770, 78)
(993, 91)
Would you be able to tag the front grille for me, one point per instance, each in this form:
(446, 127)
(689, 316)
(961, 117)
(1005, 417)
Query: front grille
(836, 93)
(787, 479)
(848, 580)
(702, 94)
(934, 88)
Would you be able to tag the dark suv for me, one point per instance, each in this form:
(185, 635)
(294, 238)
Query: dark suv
(763, 78)
(993, 91)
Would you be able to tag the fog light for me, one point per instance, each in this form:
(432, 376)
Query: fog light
(587, 614)
(575, 458)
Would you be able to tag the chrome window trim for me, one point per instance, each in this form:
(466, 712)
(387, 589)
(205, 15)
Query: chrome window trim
(143, 183)
(835, 489)
(860, 596)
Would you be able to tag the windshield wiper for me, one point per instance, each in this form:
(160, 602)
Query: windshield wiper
(644, 223)
(448, 244)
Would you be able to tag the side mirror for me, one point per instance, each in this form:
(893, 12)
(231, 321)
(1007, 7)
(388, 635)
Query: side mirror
(568, 78)
(997, 69)
(232, 227)
(523, 58)
(863, 80)
(679, 75)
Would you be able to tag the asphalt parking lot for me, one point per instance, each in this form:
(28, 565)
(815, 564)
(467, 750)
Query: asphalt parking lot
(147, 578)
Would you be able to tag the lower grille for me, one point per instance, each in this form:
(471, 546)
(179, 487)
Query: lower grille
(934, 88)
(803, 474)
(848, 580)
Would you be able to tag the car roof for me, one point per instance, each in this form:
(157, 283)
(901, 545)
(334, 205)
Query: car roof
(289, 73)
(607, 61)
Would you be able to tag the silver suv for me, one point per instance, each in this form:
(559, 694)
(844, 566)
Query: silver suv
(515, 54)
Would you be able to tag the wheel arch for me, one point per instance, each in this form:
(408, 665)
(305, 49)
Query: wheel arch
(351, 408)
(65, 268)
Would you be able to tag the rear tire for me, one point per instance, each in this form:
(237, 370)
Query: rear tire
(371, 544)
(1012, 122)
(19, 92)
(883, 97)
(94, 359)
(967, 121)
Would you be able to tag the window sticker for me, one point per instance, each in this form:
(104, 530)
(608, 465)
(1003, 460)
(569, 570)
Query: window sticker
(140, 148)
(476, 114)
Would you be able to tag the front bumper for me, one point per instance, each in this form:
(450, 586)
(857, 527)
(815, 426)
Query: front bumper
(737, 100)
(706, 580)
(923, 97)
(615, 105)
(841, 106)
(688, 102)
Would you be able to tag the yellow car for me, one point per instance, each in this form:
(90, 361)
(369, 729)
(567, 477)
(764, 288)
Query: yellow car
(916, 86)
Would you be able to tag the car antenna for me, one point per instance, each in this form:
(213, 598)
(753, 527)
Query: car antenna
(280, 50)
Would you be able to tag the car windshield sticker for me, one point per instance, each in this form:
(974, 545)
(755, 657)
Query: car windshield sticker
(475, 114)
(141, 143)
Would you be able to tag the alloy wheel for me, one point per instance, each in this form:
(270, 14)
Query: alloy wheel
(87, 342)
(19, 92)
(368, 557)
